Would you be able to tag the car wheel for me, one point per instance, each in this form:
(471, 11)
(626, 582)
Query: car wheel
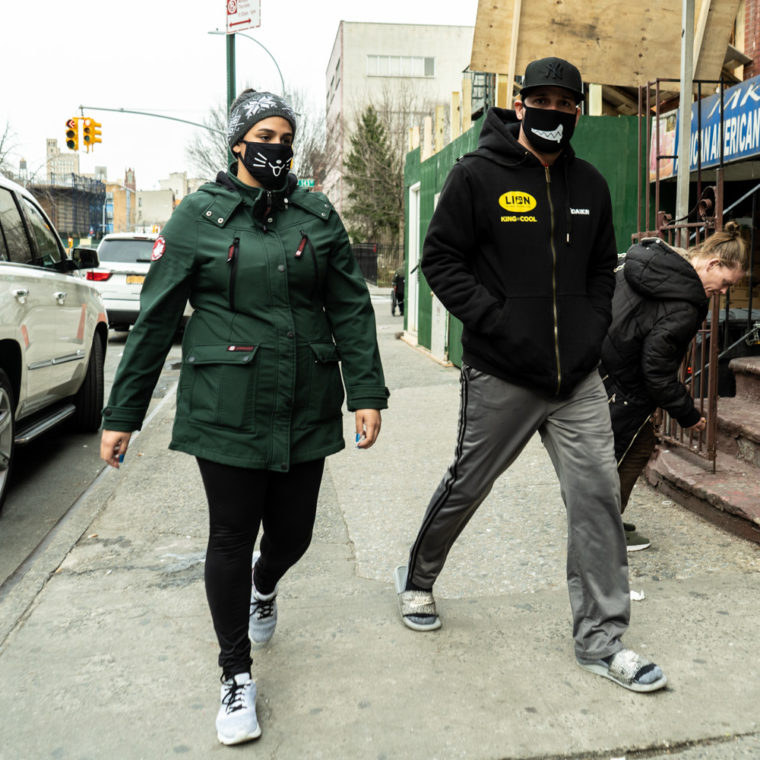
(89, 399)
(7, 433)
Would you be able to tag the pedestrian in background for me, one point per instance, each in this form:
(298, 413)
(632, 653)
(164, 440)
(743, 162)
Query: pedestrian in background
(521, 249)
(279, 302)
(661, 299)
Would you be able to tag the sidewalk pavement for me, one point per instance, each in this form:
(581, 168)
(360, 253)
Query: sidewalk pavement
(111, 653)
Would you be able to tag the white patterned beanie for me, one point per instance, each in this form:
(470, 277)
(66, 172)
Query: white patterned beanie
(251, 107)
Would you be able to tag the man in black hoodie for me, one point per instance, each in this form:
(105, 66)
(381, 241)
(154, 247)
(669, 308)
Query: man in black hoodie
(522, 250)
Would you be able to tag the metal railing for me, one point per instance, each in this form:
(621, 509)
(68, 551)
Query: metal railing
(378, 261)
(701, 360)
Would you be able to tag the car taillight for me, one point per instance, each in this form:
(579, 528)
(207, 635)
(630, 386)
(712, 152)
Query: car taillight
(97, 276)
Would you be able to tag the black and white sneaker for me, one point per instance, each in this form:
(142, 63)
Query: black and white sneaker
(263, 614)
(236, 720)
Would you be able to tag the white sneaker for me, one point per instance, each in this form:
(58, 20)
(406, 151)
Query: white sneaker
(236, 720)
(263, 614)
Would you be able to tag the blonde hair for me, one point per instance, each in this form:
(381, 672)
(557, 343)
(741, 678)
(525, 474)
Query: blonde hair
(726, 245)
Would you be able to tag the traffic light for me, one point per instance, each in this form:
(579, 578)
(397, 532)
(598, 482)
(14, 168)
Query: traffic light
(94, 132)
(91, 133)
(87, 133)
(72, 134)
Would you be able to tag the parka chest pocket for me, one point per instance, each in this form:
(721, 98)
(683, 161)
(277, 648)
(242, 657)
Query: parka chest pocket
(221, 383)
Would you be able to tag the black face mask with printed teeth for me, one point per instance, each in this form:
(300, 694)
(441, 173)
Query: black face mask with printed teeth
(547, 130)
(268, 163)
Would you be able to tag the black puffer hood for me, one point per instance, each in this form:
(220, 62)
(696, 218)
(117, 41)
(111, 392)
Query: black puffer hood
(498, 140)
(656, 271)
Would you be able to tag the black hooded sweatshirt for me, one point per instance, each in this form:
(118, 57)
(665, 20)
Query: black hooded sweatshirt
(658, 306)
(523, 254)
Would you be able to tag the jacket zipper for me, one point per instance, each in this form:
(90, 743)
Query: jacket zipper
(554, 278)
(232, 259)
(299, 252)
(267, 211)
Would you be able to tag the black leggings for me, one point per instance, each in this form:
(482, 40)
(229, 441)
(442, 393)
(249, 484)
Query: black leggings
(239, 501)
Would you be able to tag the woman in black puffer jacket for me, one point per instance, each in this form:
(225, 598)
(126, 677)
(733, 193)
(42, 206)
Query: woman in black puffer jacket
(661, 298)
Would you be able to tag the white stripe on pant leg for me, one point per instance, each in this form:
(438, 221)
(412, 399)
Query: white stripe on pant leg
(497, 421)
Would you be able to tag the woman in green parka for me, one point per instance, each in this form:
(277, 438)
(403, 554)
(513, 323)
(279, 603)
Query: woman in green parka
(280, 308)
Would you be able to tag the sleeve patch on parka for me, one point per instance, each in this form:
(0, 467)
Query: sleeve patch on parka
(158, 248)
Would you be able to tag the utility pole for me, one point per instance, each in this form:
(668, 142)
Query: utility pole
(684, 115)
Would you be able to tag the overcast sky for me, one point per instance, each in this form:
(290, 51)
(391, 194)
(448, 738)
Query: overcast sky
(149, 55)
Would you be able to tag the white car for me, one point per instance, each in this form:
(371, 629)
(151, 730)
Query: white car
(124, 260)
(53, 329)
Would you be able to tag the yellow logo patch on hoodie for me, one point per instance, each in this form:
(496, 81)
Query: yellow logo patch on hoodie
(518, 202)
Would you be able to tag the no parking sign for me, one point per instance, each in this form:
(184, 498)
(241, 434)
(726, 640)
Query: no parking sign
(243, 14)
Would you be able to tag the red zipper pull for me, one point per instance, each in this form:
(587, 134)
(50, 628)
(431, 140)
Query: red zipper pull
(301, 246)
(232, 250)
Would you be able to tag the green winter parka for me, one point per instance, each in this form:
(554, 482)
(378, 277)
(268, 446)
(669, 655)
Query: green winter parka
(279, 302)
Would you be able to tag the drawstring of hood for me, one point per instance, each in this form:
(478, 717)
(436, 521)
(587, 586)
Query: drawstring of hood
(568, 212)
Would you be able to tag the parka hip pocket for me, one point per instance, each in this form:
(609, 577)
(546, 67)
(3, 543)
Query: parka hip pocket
(325, 384)
(221, 386)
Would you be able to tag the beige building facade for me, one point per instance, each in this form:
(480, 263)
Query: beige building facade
(154, 207)
(121, 204)
(59, 164)
(404, 70)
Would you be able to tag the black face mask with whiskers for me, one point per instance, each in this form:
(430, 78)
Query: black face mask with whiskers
(267, 163)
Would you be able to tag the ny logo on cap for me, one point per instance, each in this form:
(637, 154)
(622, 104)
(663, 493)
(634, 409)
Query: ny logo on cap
(554, 70)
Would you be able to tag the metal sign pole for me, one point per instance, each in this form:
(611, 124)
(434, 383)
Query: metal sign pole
(684, 116)
(231, 94)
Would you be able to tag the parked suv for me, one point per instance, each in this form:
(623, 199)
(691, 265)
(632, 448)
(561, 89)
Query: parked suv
(53, 329)
(124, 260)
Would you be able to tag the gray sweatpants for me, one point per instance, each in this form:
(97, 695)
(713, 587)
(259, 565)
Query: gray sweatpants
(496, 420)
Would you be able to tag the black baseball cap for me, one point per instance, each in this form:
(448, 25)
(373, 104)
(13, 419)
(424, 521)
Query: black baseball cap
(554, 72)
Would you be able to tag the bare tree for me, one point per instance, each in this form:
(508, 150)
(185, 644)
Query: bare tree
(208, 152)
(7, 146)
(311, 159)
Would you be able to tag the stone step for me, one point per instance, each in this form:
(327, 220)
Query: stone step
(739, 428)
(746, 371)
(728, 497)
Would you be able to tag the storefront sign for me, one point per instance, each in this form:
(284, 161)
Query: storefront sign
(740, 135)
(741, 125)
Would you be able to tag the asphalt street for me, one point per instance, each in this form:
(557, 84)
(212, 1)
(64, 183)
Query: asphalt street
(107, 649)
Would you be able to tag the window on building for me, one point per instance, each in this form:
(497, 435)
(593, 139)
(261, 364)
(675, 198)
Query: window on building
(400, 66)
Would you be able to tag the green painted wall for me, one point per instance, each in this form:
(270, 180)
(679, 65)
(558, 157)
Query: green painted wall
(411, 175)
(431, 175)
(609, 143)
